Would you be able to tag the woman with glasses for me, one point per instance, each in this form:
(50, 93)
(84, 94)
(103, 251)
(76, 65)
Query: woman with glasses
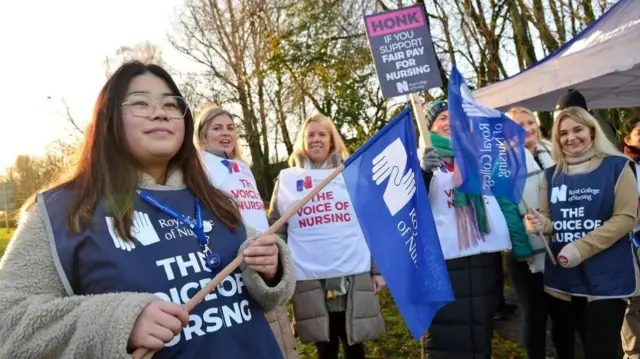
(229, 171)
(105, 258)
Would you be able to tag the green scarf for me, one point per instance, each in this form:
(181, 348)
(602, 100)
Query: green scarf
(462, 200)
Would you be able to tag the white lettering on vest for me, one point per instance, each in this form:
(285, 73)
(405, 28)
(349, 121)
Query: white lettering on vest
(195, 260)
(169, 223)
(186, 232)
(573, 225)
(230, 286)
(166, 263)
(192, 262)
(215, 317)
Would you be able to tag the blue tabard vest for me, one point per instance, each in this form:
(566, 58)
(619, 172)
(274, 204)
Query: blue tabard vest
(165, 260)
(580, 203)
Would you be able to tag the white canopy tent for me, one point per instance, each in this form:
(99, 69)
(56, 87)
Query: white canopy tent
(602, 62)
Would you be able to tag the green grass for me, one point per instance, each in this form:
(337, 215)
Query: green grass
(396, 342)
(4, 239)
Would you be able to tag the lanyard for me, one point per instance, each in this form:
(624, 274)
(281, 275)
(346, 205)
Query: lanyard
(212, 260)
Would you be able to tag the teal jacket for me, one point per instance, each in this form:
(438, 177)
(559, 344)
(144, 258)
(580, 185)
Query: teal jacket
(520, 246)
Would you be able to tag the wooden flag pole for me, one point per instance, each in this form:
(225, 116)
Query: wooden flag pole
(422, 121)
(542, 238)
(211, 286)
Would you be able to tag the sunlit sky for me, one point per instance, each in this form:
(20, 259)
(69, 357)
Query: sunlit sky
(56, 49)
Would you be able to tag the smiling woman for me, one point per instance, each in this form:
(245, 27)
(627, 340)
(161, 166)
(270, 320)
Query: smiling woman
(574, 136)
(338, 287)
(156, 140)
(230, 172)
(587, 209)
(217, 133)
(318, 143)
(317, 139)
(132, 232)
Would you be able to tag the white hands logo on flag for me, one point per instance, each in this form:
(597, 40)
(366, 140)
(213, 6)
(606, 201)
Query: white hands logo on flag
(473, 109)
(391, 163)
(142, 230)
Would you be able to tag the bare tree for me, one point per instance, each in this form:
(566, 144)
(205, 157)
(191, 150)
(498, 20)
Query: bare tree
(78, 131)
(144, 52)
(227, 38)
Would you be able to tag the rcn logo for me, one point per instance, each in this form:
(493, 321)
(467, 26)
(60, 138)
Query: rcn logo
(445, 167)
(559, 194)
(303, 184)
(231, 166)
(402, 86)
(392, 164)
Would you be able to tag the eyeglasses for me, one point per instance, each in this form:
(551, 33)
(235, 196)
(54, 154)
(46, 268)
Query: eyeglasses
(144, 105)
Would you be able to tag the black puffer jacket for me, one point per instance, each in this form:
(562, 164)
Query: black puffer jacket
(463, 329)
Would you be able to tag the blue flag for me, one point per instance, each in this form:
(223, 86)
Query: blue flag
(488, 146)
(389, 198)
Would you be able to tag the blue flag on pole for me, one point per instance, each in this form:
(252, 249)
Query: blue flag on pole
(389, 198)
(488, 146)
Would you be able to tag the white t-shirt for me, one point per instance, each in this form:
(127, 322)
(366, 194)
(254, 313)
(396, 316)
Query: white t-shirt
(236, 180)
(442, 205)
(324, 236)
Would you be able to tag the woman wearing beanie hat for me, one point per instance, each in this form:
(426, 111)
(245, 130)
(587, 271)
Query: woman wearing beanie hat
(485, 227)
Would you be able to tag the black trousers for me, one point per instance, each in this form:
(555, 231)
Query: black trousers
(530, 290)
(338, 333)
(598, 323)
(501, 301)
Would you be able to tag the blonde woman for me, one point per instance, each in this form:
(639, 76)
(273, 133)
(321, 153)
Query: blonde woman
(336, 279)
(538, 157)
(586, 207)
(217, 138)
(527, 277)
(228, 169)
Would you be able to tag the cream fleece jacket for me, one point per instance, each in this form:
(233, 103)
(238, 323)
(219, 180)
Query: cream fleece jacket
(39, 320)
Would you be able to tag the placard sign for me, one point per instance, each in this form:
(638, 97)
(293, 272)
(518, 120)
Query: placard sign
(402, 50)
